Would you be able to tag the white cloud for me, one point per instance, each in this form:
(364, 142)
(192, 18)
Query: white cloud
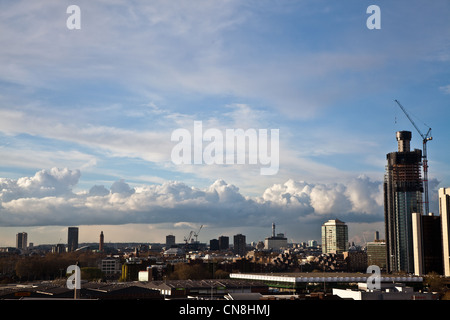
(46, 199)
(45, 183)
(445, 89)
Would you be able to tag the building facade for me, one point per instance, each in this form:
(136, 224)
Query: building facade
(239, 245)
(110, 266)
(427, 240)
(444, 209)
(170, 240)
(21, 240)
(376, 254)
(224, 243)
(334, 236)
(403, 189)
(72, 239)
(275, 242)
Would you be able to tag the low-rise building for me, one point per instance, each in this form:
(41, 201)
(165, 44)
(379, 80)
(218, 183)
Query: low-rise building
(110, 266)
(207, 289)
(387, 291)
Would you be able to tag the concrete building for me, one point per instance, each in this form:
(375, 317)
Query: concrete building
(239, 245)
(214, 245)
(444, 209)
(275, 242)
(403, 188)
(59, 248)
(110, 266)
(224, 243)
(21, 240)
(312, 243)
(427, 243)
(170, 240)
(334, 236)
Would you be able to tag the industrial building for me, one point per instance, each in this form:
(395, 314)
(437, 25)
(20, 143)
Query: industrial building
(275, 242)
(296, 282)
(209, 288)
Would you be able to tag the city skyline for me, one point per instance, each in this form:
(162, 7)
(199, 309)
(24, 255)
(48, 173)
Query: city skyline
(86, 115)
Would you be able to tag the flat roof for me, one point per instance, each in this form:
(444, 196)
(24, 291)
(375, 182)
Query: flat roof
(323, 277)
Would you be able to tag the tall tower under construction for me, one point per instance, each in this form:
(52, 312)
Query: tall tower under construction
(403, 190)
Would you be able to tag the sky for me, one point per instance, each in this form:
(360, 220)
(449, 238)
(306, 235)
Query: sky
(87, 115)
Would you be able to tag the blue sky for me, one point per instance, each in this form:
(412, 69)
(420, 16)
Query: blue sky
(87, 115)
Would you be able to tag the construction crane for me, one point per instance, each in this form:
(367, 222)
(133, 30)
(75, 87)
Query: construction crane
(188, 238)
(196, 233)
(425, 138)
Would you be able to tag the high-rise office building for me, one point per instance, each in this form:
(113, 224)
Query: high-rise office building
(239, 245)
(334, 236)
(444, 210)
(376, 253)
(72, 239)
(403, 188)
(21, 240)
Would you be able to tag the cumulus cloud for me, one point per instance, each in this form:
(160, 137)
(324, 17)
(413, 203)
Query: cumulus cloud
(47, 199)
(359, 196)
(54, 182)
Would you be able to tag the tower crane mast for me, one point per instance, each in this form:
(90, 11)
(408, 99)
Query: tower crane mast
(425, 138)
(196, 233)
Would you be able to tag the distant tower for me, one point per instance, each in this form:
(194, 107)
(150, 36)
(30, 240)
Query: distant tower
(170, 240)
(72, 239)
(403, 188)
(273, 229)
(239, 245)
(224, 243)
(102, 241)
(21, 240)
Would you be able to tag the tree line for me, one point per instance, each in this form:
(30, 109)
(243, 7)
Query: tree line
(48, 267)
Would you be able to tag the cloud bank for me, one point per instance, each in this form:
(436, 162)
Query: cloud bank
(48, 198)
